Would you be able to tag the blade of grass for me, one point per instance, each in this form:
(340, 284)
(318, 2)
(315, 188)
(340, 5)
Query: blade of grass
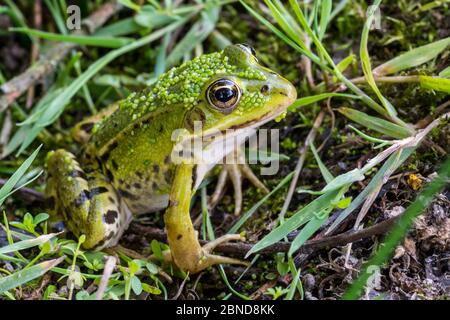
(368, 100)
(367, 67)
(119, 28)
(196, 35)
(56, 13)
(97, 41)
(11, 183)
(299, 218)
(387, 166)
(285, 25)
(326, 174)
(296, 283)
(325, 17)
(308, 230)
(282, 36)
(25, 244)
(26, 275)
(412, 58)
(301, 102)
(380, 125)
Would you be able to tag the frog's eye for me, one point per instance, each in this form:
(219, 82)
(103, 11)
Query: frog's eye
(223, 95)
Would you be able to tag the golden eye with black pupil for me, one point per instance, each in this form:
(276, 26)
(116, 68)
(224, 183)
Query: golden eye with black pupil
(223, 95)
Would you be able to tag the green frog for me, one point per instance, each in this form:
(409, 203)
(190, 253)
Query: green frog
(127, 166)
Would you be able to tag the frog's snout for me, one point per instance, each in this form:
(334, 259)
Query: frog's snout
(280, 88)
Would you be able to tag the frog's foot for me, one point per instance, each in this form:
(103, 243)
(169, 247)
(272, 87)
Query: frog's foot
(210, 259)
(204, 256)
(237, 170)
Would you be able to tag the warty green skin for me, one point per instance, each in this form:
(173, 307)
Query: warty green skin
(126, 166)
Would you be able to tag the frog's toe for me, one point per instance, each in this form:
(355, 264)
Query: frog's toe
(236, 173)
(210, 259)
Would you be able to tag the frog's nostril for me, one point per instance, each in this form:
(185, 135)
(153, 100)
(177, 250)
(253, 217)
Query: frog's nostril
(265, 89)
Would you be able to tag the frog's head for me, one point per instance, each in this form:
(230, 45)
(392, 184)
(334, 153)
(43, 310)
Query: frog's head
(240, 93)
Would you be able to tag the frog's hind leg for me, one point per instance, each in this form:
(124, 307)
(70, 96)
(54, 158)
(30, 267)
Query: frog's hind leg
(236, 169)
(82, 131)
(87, 203)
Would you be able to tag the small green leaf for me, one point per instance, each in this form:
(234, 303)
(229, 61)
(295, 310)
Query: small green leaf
(156, 249)
(134, 267)
(150, 289)
(136, 285)
(82, 239)
(344, 63)
(41, 217)
(151, 267)
(344, 203)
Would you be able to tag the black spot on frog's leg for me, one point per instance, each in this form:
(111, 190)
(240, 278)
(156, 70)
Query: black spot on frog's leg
(155, 168)
(77, 173)
(109, 175)
(89, 169)
(87, 127)
(154, 185)
(139, 174)
(111, 216)
(127, 195)
(96, 191)
(114, 164)
(179, 236)
(82, 198)
(137, 185)
(104, 157)
(112, 200)
(100, 243)
(168, 176)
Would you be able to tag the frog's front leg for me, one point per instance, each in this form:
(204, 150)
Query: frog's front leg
(185, 249)
(87, 202)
